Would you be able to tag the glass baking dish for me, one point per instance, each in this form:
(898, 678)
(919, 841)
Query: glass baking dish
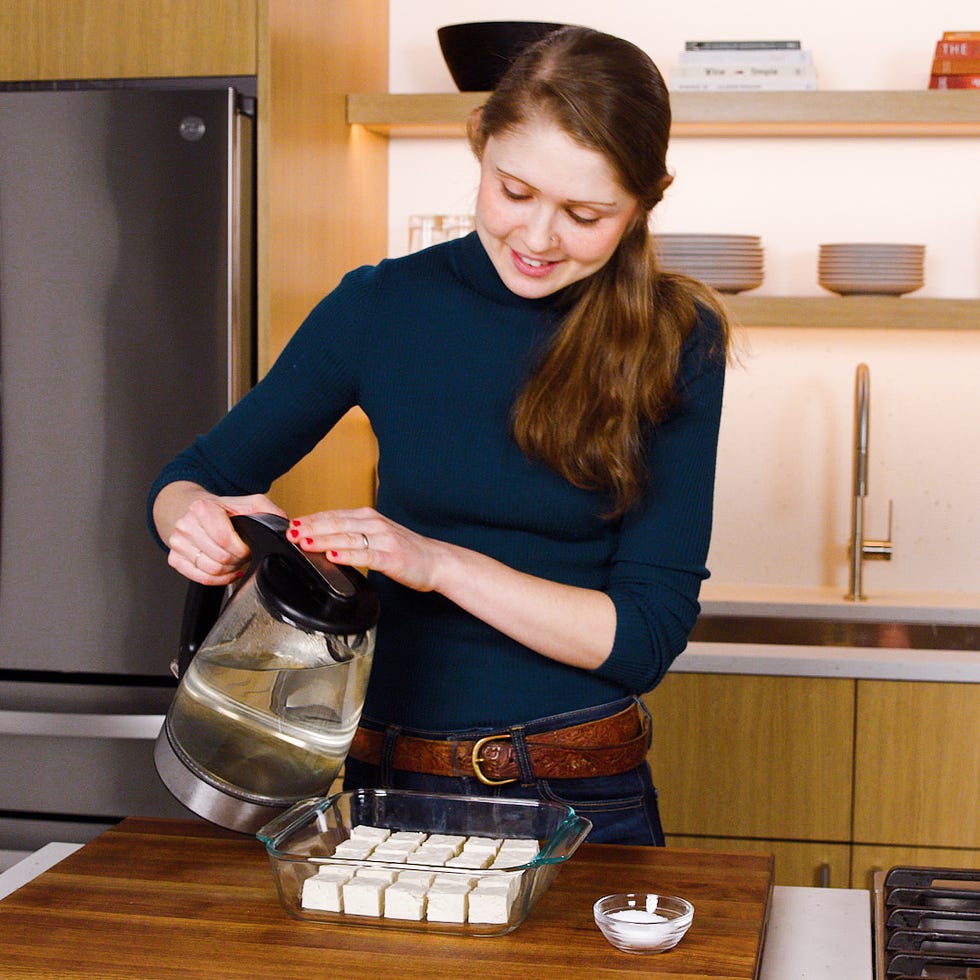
(302, 843)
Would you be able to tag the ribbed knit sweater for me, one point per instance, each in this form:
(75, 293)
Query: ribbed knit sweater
(434, 348)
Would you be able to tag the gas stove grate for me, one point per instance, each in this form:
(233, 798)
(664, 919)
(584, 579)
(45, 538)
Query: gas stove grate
(927, 924)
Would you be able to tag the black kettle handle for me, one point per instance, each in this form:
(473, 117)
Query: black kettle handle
(202, 604)
(264, 534)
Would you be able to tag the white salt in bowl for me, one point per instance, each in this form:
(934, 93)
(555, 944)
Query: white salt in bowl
(643, 923)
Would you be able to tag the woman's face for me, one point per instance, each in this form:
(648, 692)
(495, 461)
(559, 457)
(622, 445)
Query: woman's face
(549, 211)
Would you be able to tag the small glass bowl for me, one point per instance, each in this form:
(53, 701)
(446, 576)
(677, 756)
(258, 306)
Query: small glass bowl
(643, 923)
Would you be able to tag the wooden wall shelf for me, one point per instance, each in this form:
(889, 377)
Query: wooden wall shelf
(848, 312)
(755, 114)
(715, 114)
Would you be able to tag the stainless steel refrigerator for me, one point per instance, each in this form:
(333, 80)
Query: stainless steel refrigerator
(126, 326)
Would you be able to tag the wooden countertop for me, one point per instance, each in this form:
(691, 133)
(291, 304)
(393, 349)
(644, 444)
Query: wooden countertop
(170, 898)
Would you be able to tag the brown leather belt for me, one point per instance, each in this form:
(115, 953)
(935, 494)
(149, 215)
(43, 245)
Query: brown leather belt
(594, 748)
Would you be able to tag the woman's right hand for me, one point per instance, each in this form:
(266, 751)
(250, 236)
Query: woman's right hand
(195, 526)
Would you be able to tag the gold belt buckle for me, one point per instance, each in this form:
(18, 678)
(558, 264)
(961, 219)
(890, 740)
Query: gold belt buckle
(476, 760)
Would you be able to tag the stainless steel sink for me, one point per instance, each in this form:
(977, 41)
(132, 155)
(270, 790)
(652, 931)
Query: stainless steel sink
(787, 631)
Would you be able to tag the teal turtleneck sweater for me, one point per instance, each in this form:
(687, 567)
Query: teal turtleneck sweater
(434, 348)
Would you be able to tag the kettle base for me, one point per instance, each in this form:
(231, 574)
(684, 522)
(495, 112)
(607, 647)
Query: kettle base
(206, 800)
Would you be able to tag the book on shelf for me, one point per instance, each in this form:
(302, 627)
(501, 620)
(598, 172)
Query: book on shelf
(759, 83)
(954, 81)
(743, 66)
(958, 49)
(740, 45)
(748, 56)
(956, 66)
(740, 71)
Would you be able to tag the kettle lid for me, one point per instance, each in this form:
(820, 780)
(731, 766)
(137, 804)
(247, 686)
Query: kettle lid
(304, 589)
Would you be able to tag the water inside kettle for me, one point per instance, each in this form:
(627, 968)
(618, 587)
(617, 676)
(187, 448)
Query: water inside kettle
(270, 724)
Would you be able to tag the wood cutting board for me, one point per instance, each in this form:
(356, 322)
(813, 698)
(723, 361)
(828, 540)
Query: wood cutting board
(155, 898)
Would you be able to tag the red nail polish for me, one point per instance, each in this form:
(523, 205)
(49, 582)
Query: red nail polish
(333, 554)
(308, 540)
(294, 522)
(294, 534)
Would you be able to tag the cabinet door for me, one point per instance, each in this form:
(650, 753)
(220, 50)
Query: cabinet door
(917, 764)
(804, 863)
(325, 206)
(340, 472)
(747, 756)
(869, 858)
(123, 39)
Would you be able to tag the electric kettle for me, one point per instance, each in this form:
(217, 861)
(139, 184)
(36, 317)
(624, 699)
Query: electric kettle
(272, 682)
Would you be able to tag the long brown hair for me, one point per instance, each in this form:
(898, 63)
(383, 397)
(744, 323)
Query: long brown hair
(610, 372)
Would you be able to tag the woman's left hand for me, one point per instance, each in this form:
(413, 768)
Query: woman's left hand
(366, 539)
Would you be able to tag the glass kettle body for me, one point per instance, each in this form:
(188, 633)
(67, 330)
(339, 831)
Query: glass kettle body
(269, 700)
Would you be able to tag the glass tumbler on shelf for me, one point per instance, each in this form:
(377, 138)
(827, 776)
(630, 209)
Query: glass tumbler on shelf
(430, 229)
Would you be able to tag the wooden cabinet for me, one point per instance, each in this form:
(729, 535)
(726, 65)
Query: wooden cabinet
(51, 39)
(835, 777)
(810, 864)
(758, 763)
(917, 764)
(750, 756)
(322, 204)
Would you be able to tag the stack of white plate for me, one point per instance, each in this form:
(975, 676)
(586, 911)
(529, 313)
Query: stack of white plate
(729, 263)
(871, 269)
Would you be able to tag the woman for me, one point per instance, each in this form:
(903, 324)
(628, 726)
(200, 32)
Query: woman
(546, 405)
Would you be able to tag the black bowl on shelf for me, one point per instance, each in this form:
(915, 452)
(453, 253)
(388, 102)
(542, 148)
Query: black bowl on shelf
(477, 54)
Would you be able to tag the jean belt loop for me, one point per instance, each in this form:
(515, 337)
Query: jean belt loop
(525, 771)
(646, 719)
(387, 753)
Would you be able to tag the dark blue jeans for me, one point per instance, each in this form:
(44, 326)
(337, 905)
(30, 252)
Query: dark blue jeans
(623, 808)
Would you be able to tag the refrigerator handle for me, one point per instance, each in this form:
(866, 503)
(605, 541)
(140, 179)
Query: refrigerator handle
(241, 249)
(63, 724)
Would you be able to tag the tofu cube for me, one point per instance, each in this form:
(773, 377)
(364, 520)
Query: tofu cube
(455, 841)
(455, 878)
(423, 878)
(383, 875)
(509, 882)
(490, 902)
(413, 837)
(354, 850)
(430, 853)
(447, 901)
(516, 852)
(391, 855)
(366, 832)
(513, 859)
(471, 859)
(405, 900)
(364, 896)
(323, 891)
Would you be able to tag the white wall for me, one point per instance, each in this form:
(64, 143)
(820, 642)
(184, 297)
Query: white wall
(782, 508)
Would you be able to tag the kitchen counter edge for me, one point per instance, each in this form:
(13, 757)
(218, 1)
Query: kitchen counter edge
(859, 663)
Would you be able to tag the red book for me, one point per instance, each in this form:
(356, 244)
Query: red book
(955, 66)
(958, 49)
(954, 81)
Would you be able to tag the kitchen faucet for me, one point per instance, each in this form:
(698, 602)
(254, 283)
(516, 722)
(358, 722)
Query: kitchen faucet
(861, 548)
